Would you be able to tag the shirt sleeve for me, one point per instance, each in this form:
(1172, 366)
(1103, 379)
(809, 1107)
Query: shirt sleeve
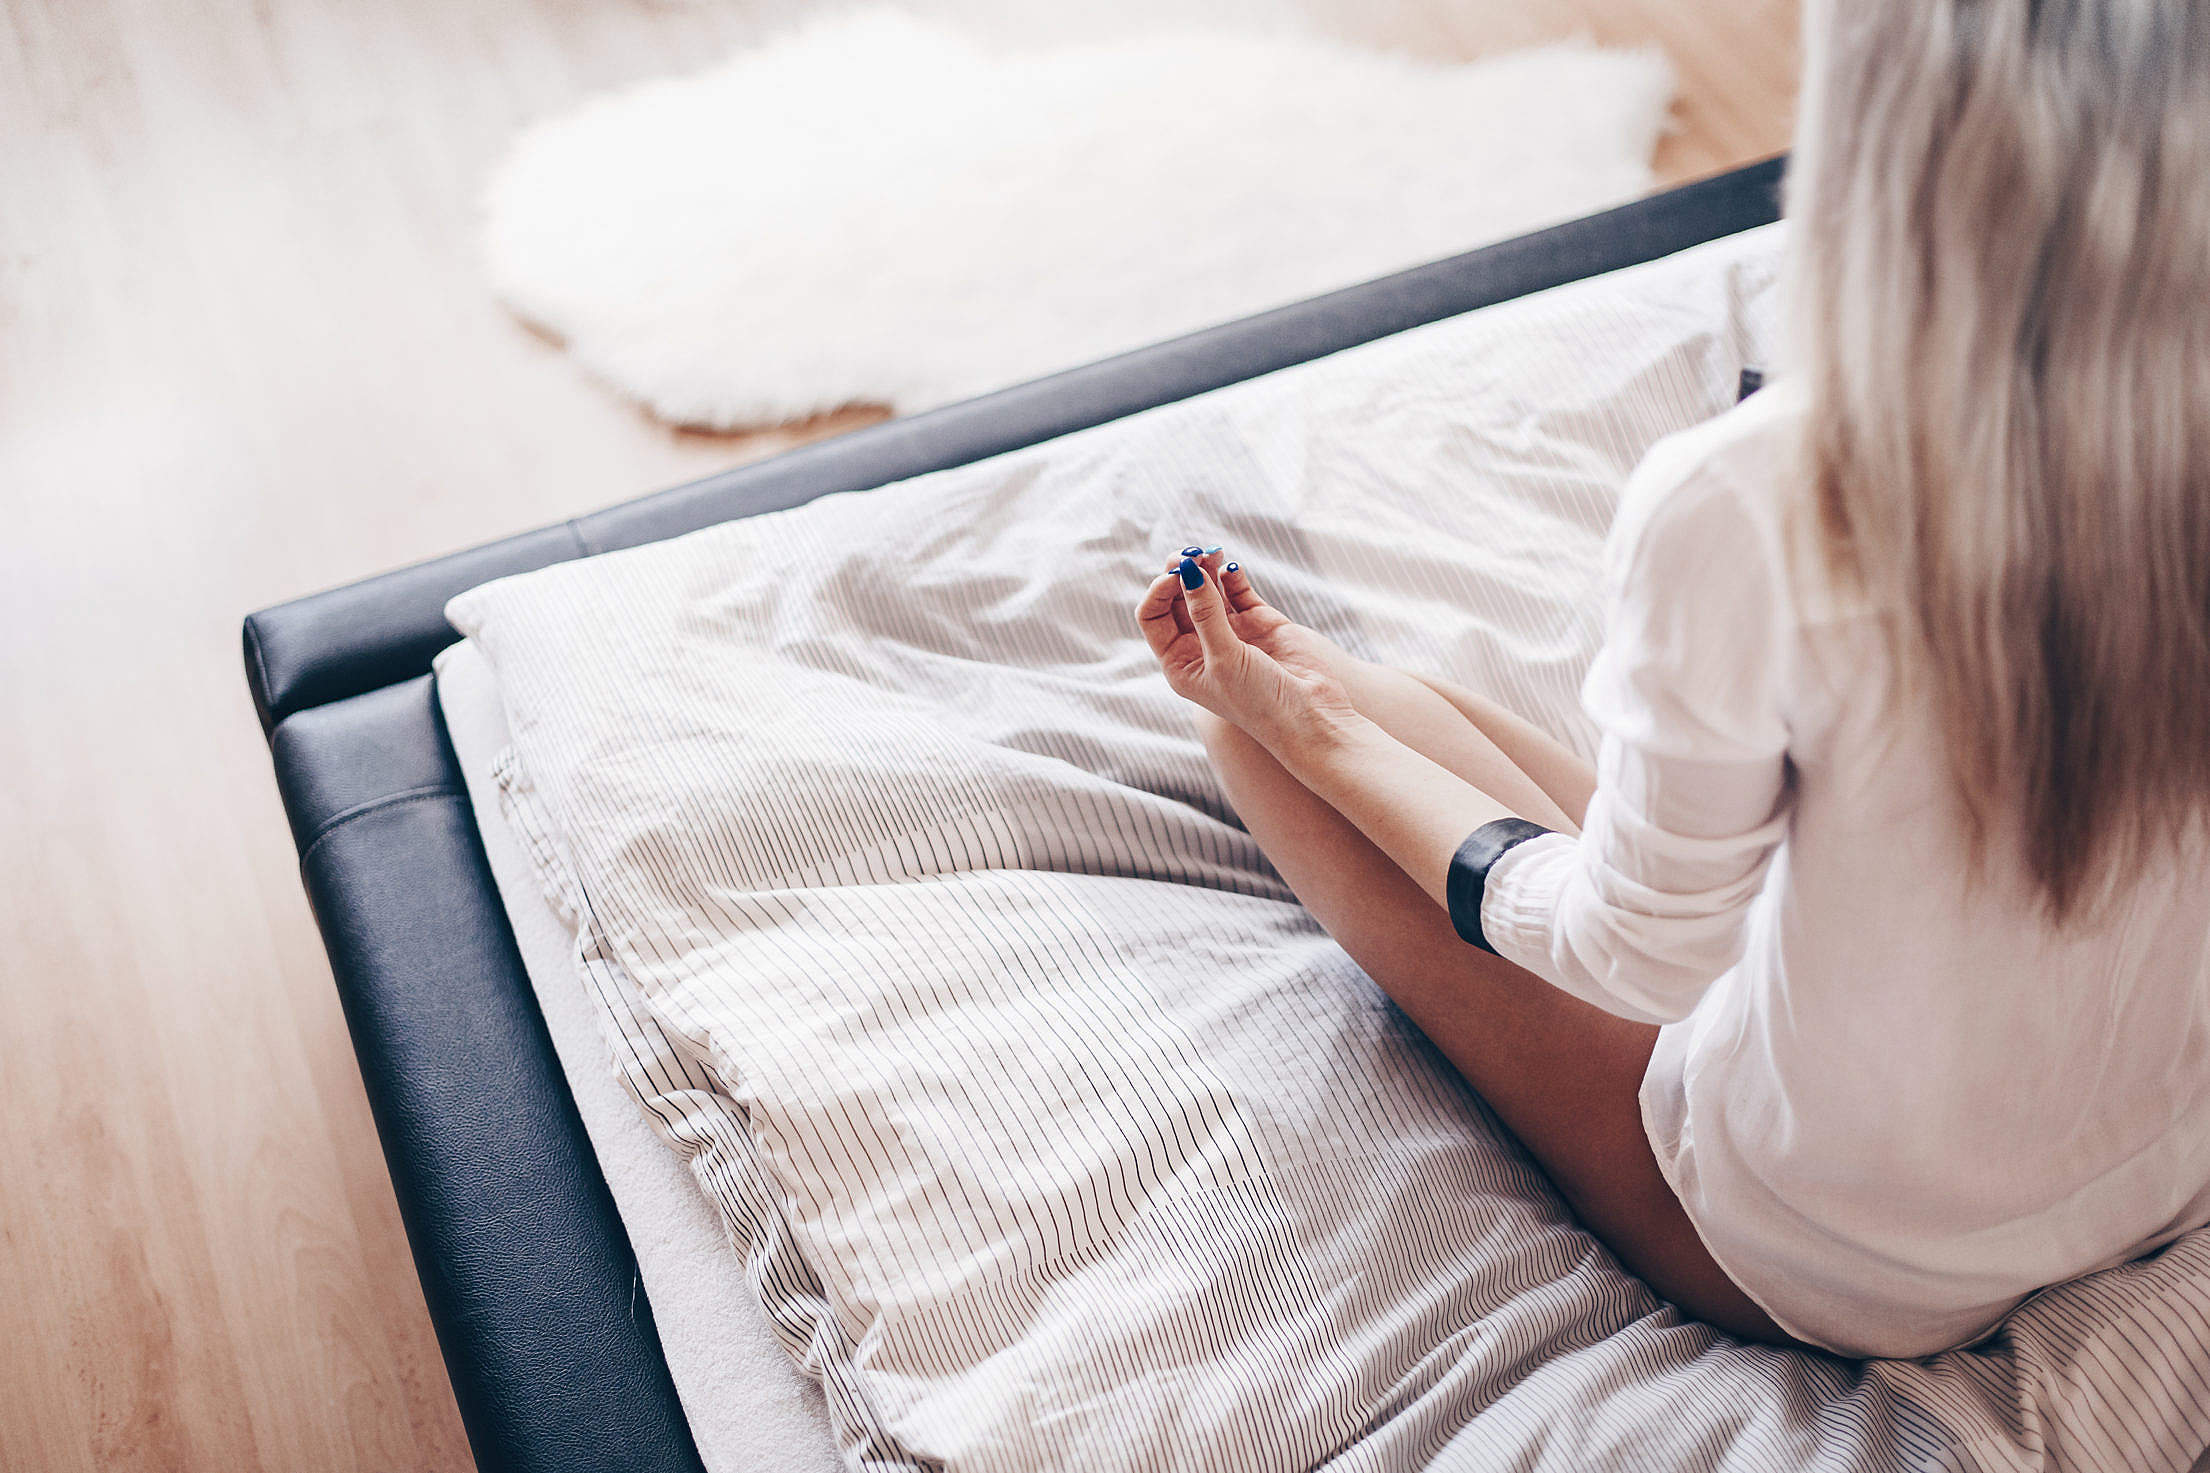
(1649, 906)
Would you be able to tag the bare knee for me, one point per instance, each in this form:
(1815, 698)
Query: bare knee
(1229, 747)
(1258, 788)
(1241, 760)
(1224, 740)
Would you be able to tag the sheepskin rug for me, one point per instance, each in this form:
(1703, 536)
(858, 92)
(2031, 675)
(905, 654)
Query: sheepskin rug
(877, 209)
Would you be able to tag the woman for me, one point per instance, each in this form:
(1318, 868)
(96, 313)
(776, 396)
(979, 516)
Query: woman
(1863, 987)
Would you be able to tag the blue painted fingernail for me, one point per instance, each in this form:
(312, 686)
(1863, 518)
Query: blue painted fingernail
(1231, 567)
(1192, 575)
(1193, 552)
(1210, 550)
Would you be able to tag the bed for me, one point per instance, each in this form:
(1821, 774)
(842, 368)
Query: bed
(589, 1311)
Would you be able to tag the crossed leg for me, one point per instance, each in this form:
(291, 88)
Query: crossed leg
(1563, 1075)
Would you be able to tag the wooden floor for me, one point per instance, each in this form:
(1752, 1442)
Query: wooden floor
(244, 354)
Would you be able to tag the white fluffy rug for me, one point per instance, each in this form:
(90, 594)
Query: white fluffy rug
(875, 209)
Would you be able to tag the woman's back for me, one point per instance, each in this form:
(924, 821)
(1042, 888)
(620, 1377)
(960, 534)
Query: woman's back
(1917, 1098)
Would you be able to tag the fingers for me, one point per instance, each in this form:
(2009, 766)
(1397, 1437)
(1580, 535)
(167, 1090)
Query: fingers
(1235, 586)
(1208, 612)
(1160, 615)
(1181, 610)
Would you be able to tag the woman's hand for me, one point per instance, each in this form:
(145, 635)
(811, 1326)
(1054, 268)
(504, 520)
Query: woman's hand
(1225, 648)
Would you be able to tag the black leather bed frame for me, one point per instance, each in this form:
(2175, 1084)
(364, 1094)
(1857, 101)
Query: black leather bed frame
(527, 1271)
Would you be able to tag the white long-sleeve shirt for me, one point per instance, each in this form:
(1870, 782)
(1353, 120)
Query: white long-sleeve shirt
(1893, 1102)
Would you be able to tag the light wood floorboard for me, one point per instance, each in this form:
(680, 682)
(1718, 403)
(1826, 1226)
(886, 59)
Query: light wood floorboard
(244, 354)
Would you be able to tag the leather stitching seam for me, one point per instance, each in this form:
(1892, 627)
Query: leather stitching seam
(261, 667)
(345, 816)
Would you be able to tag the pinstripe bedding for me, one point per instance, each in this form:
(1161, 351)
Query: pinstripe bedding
(1054, 1133)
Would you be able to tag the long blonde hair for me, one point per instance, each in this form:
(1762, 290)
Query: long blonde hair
(2001, 296)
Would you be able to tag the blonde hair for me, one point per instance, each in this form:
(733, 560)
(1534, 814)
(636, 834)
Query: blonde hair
(2001, 295)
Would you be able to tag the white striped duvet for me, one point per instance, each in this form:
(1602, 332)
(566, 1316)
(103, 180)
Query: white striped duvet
(1055, 1134)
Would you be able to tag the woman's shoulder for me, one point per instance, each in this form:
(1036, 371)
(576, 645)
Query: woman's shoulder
(1718, 493)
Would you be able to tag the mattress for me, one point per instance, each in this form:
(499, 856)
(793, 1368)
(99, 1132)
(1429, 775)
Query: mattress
(751, 1410)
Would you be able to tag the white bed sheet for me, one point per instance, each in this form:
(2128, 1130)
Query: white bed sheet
(751, 1410)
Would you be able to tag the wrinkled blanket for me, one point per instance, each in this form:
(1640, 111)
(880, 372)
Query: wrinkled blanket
(1055, 1133)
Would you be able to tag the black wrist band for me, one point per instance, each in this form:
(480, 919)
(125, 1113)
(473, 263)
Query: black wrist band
(1469, 872)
